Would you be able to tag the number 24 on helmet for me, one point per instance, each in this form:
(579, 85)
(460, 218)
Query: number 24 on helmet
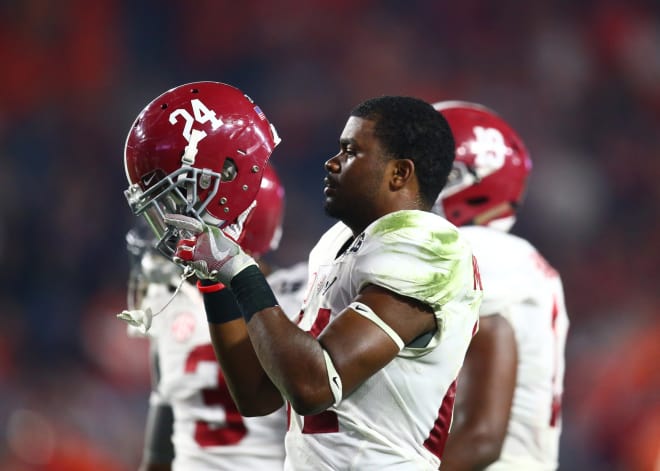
(199, 149)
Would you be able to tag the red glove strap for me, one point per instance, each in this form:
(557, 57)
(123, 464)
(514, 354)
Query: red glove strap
(209, 288)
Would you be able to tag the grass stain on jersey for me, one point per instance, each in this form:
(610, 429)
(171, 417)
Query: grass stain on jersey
(414, 219)
(422, 234)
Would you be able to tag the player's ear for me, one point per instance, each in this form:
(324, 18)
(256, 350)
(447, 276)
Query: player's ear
(402, 171)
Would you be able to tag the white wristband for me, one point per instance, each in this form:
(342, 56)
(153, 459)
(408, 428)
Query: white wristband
(366, 311)
(333, 378)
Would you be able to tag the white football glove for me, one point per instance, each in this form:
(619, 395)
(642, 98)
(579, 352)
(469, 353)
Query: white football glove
(210, 252)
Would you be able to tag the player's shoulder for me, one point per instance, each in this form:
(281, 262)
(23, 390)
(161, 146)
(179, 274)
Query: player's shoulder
(502, 256)
(486, 241)
(422, 222)
(430, 233)
(416, 254)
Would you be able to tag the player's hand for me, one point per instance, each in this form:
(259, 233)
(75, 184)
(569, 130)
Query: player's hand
(210, 252)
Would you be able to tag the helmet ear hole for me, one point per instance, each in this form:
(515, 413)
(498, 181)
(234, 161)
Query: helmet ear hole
(228, 170)
(477, 200)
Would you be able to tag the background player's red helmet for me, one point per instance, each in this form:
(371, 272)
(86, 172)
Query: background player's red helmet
(489, 175)
(199, 149)
(263, 227)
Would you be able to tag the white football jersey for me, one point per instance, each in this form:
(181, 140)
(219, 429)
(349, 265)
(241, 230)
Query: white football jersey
(209, 433)
(520, 285)
(398, 418)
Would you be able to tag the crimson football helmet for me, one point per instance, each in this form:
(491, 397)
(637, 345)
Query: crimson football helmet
(488, 179)
(263, 226)
(199, 149)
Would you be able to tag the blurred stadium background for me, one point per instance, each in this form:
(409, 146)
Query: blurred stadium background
(579, 80)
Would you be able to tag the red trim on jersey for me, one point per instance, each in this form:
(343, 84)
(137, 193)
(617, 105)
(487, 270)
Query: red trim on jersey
(437, 439)
(322, 320)
(324, 422)
(288, 416)
(555, 411)
(555, 408)
(476, 275)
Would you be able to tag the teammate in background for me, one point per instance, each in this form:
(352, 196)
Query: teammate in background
(193, 422)
(509, 393)
(392, 303)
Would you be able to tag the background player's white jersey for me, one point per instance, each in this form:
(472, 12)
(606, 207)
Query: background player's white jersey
(209, 433)
(521, 286)
(397, 419)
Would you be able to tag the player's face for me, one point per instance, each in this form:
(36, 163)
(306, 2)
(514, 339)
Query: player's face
(355, 175)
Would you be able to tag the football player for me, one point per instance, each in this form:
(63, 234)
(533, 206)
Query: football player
(509, 393)
(193, 422)
(201, 149)
(369, 369)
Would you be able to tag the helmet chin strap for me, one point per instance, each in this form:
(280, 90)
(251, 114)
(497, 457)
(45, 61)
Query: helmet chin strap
(142, 318)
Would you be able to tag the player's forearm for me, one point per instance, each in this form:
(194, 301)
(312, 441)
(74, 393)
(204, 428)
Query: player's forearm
(293, 360)
(250, 387)
(252, 391)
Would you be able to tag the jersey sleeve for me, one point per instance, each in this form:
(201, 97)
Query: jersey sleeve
(415, 254)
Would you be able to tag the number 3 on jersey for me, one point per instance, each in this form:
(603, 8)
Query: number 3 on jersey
(213, 434)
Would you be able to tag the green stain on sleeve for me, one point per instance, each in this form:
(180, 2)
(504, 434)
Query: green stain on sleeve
(423, 256)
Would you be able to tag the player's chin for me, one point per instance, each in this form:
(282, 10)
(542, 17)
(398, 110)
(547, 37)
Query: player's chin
(331, 207)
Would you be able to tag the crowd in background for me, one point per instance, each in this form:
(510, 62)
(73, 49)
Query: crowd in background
(580, 81)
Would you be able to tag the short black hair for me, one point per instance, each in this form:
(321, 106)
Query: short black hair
(410, 128)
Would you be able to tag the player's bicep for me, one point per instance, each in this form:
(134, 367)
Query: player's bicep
(369, 333)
